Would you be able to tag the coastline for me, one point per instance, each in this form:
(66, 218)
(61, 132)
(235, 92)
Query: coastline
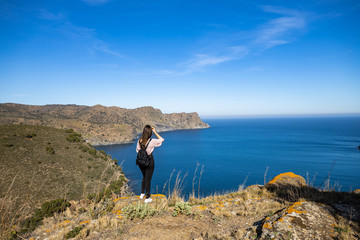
(137, 136)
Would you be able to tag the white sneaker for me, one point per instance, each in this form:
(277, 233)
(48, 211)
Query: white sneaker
(142, 195)
(148, 200)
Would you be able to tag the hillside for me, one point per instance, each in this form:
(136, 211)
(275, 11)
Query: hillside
(285, 208)
(99, 125)
(39, 164)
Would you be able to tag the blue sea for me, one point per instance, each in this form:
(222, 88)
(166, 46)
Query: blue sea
(239, 151)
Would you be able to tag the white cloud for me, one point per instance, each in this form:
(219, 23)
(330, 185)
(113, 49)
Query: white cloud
(201, 61)
(95, 2)
(280, 30)
(44, 14)
(86, 35)
(103, 47)
(277, 31)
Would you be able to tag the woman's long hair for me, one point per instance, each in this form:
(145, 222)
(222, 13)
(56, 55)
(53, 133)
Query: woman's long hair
(147, 132)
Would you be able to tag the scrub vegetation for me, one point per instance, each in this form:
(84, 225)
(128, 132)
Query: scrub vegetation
(41, 164)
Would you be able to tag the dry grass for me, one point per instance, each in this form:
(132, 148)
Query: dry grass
(31, 176)
(14, 212)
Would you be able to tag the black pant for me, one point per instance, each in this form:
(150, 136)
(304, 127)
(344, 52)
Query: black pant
(147, 175)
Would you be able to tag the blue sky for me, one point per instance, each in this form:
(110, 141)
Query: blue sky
(212, 57)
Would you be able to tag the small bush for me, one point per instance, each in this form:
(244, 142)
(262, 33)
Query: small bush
(182, 208)
(54, 206)
(74, 137)
(91, 196)
(115, 160)
(81, 210)
(74, 232)
(104, 193)
(69, 130)
(9, 145)
(340, 230)
(115, 186)
(92, 151)
(138, 211)
(47, 210)
(50, 150)
(30, 135)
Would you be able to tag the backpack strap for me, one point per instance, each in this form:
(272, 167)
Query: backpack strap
(148, 143)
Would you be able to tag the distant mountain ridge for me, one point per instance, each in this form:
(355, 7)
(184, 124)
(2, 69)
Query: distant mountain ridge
(98, 124)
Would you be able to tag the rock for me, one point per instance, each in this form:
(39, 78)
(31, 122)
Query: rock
(357, 191)
(288, 178)
(302, 220)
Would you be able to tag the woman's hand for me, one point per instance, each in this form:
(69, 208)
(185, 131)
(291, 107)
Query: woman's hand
(154, 131)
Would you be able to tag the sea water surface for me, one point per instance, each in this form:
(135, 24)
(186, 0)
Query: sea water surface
(238, 151)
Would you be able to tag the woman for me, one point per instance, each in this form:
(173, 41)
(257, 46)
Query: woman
(146, 142)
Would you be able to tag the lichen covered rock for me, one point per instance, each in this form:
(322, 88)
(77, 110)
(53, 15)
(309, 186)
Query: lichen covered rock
(302, 220)
(288, 178)
(357, 191)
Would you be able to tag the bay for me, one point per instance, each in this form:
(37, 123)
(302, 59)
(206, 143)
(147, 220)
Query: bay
(239, 151)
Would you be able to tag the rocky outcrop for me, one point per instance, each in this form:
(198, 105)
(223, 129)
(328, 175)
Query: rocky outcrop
(288, 178)
(301, 220)
(257, 212)
(98, 124)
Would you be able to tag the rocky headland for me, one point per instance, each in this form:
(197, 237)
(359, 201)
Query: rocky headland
(99, 125)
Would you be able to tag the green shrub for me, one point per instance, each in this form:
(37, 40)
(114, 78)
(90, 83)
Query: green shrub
(115, 160)
(340, 230)
(74, 232)
(54, 206)
(30, 135)
(104, 193)
(33, 222)
(47, 210)
(91, 196)
(69, 130)
(138, 211)
(115, 186)
(9, 145)
(50, 150)
(81, 210)
(92, 151)
(74, 137)
(182, 208)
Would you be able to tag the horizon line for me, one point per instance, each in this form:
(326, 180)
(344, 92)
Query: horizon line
(283, 115)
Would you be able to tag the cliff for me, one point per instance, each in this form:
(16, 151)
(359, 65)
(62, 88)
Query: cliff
(98, 124)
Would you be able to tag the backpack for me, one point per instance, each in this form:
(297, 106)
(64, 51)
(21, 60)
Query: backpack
(143, 159)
